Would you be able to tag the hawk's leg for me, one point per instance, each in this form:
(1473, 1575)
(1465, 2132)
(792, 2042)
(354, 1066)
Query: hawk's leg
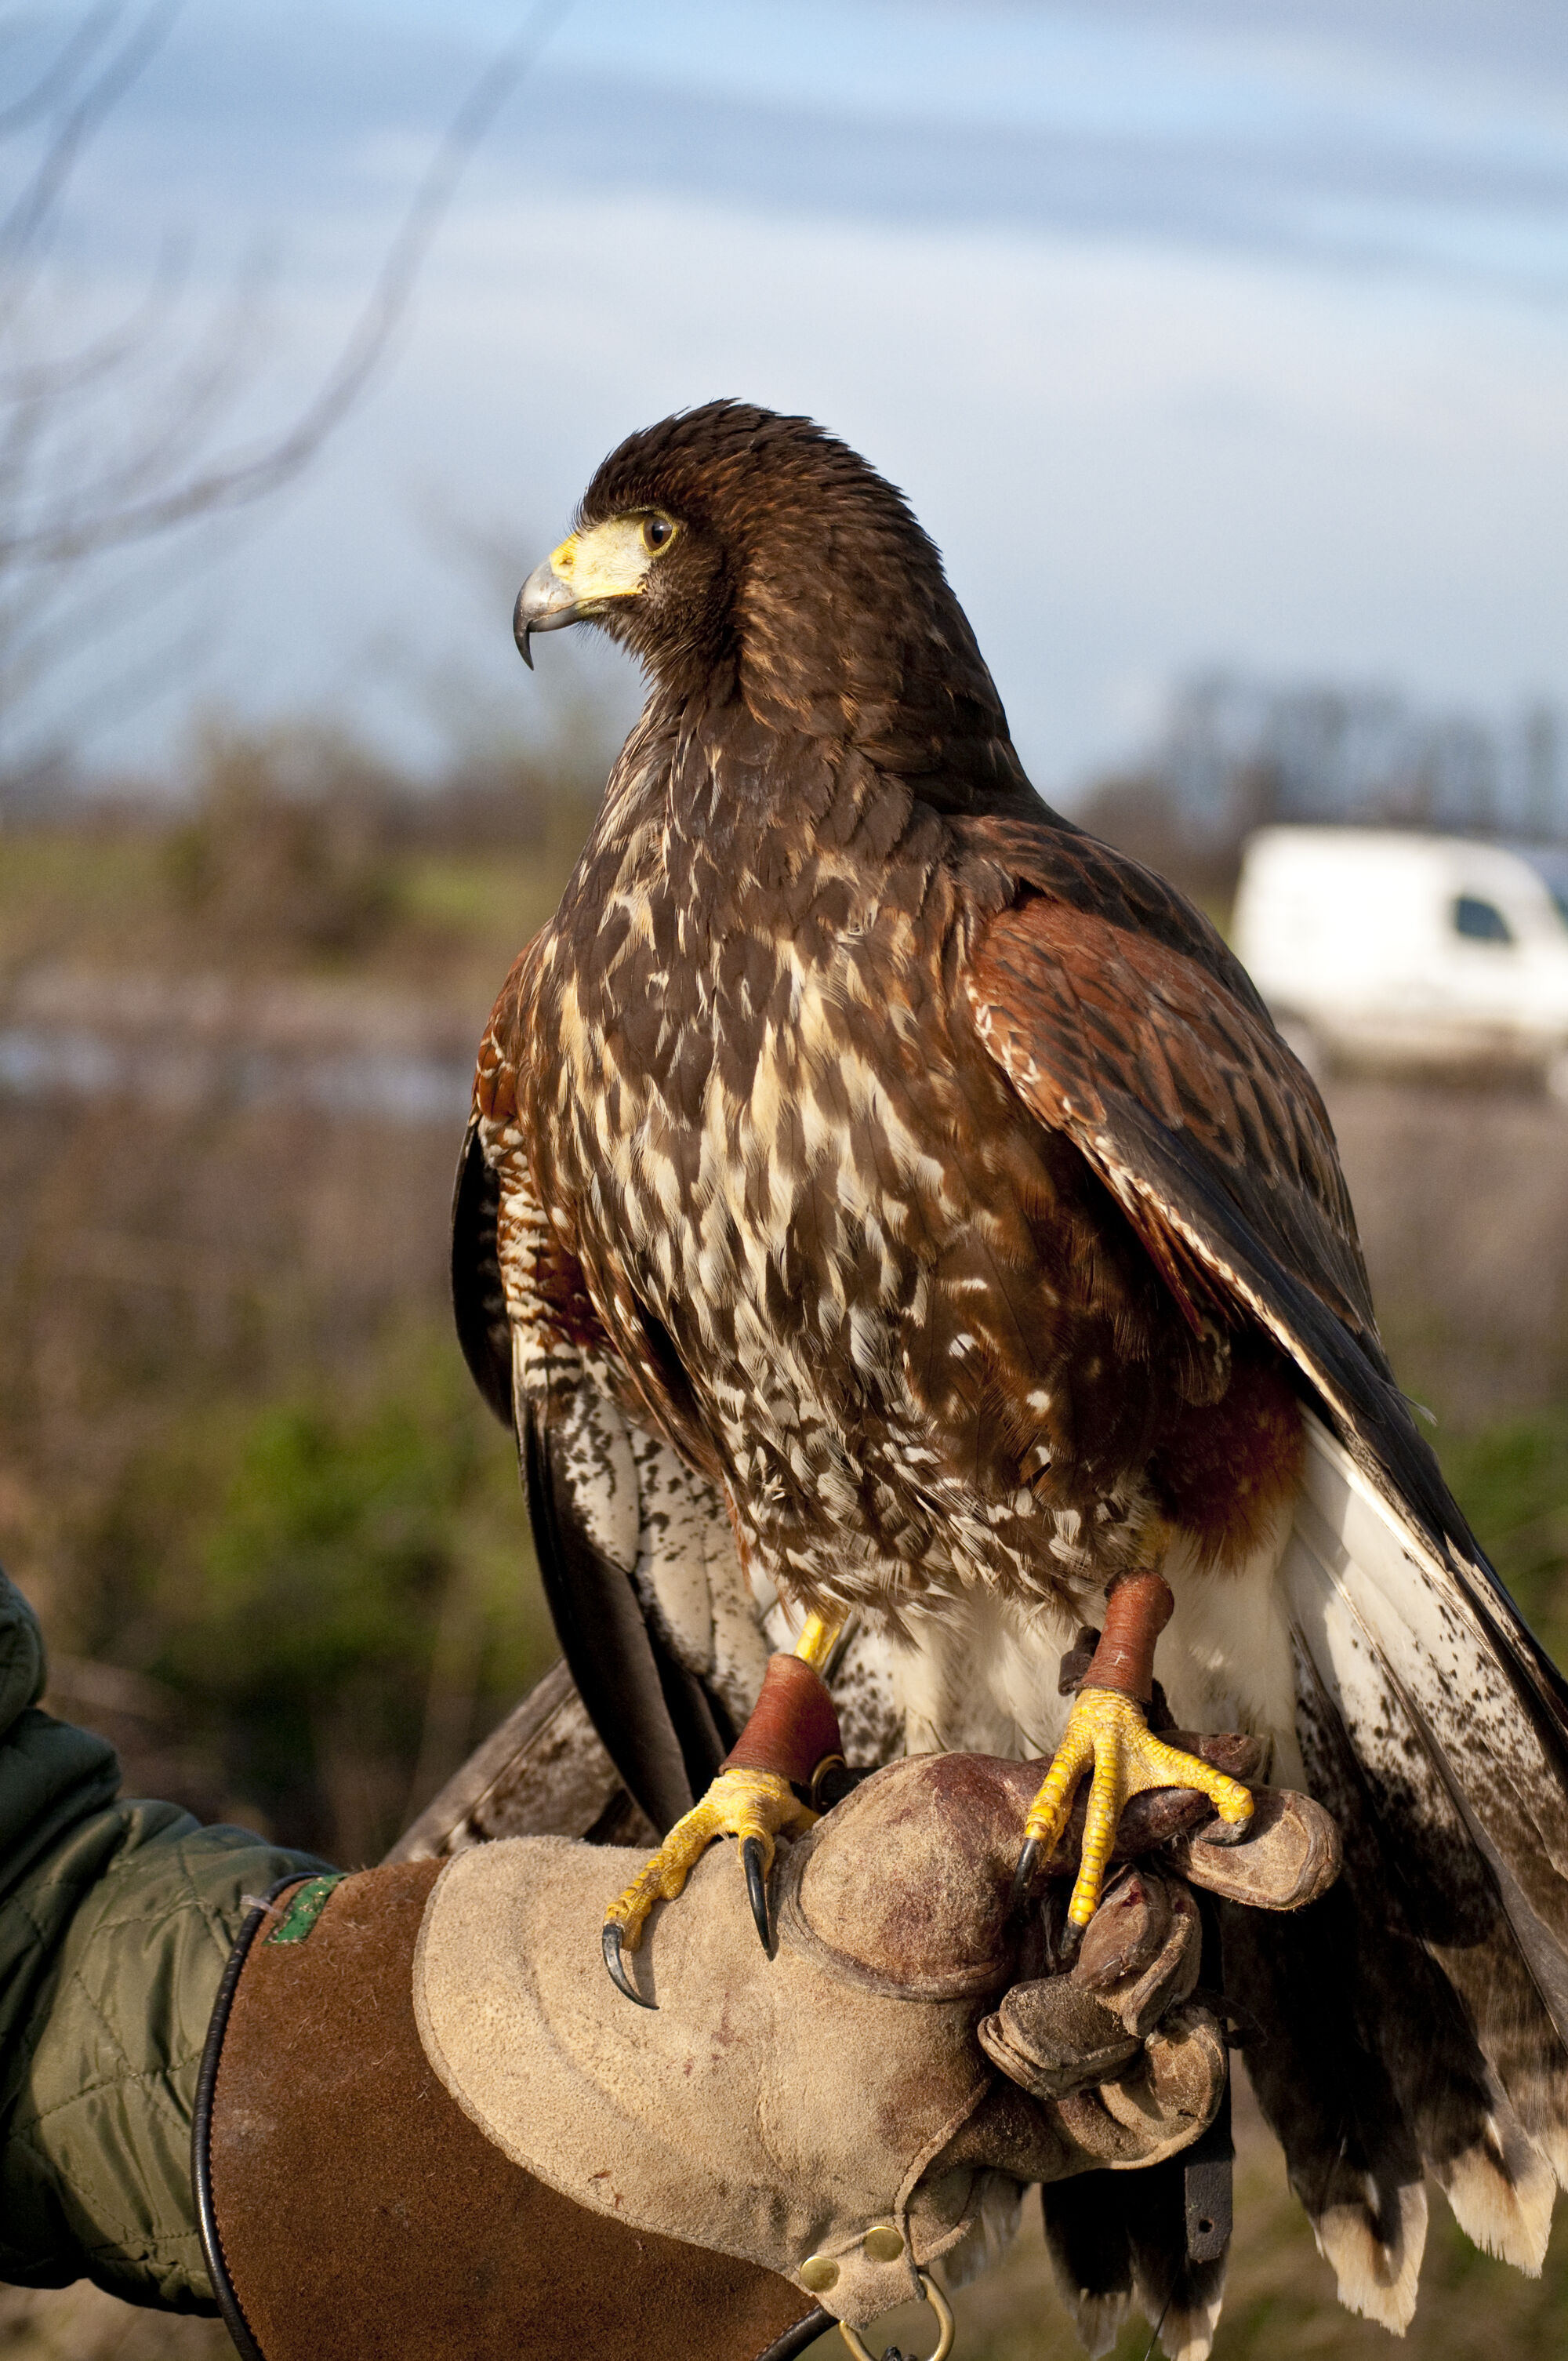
(791, 1739)
(1108, 1733)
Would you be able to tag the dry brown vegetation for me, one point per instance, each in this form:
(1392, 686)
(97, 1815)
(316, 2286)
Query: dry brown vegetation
(241, 1467)
(278, 1546)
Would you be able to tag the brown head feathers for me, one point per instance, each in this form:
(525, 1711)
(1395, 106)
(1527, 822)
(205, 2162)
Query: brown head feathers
(801, 582)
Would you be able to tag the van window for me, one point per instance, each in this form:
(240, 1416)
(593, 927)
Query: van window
(1480, 922)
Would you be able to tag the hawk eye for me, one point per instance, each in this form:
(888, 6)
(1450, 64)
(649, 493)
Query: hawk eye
(658, 531)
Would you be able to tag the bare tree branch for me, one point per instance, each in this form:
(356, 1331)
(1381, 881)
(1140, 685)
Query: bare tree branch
(62, 76)
(240, 480)
(102, 442)
(24, 230)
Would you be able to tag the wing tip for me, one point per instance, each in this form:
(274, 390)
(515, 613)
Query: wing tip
(1374, 2247)
(1501, 2191)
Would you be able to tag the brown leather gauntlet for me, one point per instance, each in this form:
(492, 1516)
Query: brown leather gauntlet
(426, 2124)
(351, 2212)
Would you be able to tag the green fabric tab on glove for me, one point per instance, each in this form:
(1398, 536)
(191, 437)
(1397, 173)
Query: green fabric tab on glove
(304, 1908)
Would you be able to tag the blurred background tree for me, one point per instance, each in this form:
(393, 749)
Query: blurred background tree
(128, 444)
(242, 1470)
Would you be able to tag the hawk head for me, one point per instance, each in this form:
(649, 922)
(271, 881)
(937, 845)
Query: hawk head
(732, 549)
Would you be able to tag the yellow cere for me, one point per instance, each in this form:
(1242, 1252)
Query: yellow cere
(609, 562)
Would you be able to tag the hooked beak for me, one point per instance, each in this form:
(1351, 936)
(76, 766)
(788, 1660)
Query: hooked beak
(546, 602)
(578, 581)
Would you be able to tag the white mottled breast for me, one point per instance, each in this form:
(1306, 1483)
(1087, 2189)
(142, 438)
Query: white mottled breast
(798, 1176)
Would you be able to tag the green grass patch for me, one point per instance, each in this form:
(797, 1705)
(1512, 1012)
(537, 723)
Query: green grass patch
(340, 1586)
(1511, 1481)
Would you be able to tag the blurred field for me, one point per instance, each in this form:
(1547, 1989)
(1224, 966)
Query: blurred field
(280, 1547)
(277, 1545)
(1279, 2299)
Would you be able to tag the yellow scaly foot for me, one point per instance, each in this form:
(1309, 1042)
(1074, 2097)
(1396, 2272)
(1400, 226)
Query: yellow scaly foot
(756, 1806)
(1109, 1734)
(789, 1741)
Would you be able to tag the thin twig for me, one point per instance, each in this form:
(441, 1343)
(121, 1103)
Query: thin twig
(62, 73)
(239, 482)
(22, 232)
(1159, 2324)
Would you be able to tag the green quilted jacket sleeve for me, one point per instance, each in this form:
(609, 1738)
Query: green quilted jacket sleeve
(116, 1920)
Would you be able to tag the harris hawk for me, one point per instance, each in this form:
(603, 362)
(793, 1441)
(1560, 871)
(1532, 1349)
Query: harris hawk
(897, 1234)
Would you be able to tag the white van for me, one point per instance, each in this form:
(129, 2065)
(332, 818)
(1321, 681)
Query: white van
(1370, 944)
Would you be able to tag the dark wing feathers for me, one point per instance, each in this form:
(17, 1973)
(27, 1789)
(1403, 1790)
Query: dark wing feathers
(478, 1299)
(1120, 2239)
(1213, 1139)
(1111, 1024)
(656, 1722)
(1444, 1991)
(663, 1729)
(1323, 2085)
(1417, 2017)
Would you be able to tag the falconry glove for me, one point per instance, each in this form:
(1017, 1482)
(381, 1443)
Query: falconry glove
(431, 2124)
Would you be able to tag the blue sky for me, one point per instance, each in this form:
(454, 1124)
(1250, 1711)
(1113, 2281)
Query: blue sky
(1211, 333)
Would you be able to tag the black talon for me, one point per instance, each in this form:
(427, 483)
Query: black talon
(1024, 1874)
(617, 1967)
(1225, 1832)
(757, 1888)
